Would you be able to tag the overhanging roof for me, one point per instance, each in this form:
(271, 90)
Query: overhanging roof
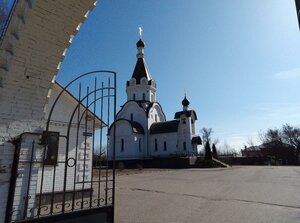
(141, 70)
(164, 127)
(136, 127)
(76, 101)
(187, 113)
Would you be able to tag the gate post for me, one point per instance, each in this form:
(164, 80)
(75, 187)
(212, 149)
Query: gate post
(13, 179)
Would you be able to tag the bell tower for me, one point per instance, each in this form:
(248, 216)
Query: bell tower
(141, 86)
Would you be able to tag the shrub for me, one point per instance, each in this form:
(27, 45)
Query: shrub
(208, 154)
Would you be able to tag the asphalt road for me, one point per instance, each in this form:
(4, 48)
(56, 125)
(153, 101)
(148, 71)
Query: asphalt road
(232, 195)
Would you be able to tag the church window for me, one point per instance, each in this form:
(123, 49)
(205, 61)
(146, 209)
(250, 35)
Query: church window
(140, 145)
(122, 145)
(134, 97)
(183, 121)
(133, 81)
(144, 96)
(184, 146)
(165, 146)
(156, 148)
(155, 117)
(131, 117)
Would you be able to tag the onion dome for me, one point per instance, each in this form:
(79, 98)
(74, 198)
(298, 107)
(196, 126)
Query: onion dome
(141, 70)
(140, 43)
(185, 102)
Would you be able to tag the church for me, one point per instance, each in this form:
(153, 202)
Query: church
(142, 131)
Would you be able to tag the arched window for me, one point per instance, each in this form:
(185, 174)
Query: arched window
(122, 145)
(156, 147)
(133, 97)
(133, 81)
(165, 146)
(131, 117)
(184, 146)
(140, 145)
(155, 117)
(144, 96)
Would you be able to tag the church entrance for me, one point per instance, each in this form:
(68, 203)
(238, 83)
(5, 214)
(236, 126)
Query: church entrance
(61, 173)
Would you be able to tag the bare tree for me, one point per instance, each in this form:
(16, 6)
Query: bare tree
(291, 136)
(250, 142)
(206, 134)
(271, 135)
(287, 134)
(100, 156)
(226, 146)
(216, 141)
(227, 150)
(97, 150)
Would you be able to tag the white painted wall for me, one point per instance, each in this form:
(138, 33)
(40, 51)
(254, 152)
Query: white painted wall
(185, 134)
(82, 154)
(169, 138)
(131, 142)
(140, 89)
(139, 114)
(156, 114)
(30, 54)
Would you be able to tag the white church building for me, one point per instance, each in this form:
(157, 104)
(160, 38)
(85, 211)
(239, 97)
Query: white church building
(142, 131)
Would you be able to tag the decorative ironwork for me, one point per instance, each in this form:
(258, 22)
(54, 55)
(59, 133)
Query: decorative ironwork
(48, 183)
(71, 162)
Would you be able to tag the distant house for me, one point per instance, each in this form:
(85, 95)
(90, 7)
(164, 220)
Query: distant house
(278, 151)
(252, 151)
(282, 152)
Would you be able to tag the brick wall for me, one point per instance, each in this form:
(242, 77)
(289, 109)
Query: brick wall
(31, 50)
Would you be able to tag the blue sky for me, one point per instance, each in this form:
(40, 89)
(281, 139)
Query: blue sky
(237, 60)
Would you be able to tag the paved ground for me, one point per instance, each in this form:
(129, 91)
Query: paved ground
(232, 195)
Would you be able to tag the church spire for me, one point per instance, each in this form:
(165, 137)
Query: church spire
(141, 87)
(140, 45)
(141, 70)
(185, 103)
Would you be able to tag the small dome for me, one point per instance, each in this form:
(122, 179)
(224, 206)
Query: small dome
(140, 43)
(185, 102)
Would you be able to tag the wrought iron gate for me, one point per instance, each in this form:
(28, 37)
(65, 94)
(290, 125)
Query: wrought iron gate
(62, 174)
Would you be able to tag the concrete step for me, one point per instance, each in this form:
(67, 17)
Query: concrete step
(220, 162)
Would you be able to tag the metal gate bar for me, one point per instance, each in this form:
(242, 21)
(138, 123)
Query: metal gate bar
(104, 214)
(83, 193)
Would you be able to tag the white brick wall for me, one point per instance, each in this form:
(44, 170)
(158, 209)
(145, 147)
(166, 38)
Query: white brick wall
(60, 168)
(33, 46)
